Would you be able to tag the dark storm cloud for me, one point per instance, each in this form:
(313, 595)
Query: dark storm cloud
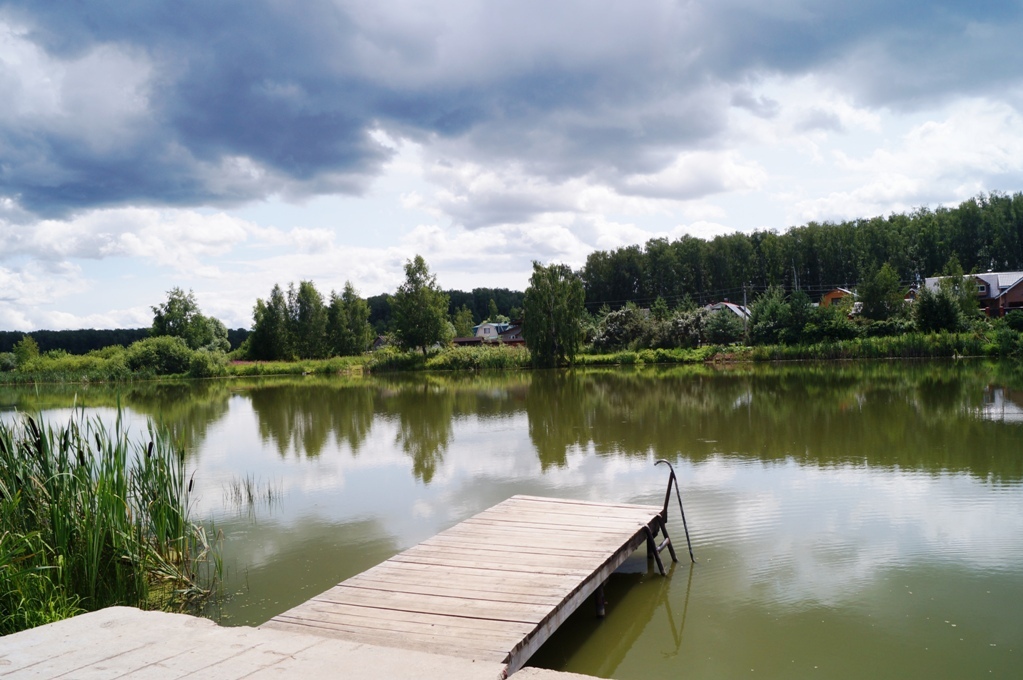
(561, 90)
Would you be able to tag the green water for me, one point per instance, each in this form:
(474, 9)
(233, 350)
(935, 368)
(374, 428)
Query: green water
(849, 521)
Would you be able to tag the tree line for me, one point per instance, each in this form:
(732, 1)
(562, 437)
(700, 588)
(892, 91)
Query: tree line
(984, 233)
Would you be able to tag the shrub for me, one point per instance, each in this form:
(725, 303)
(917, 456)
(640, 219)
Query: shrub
(163, 355)
(619, 328)
(723, 328)
(207, 364)
(1014, 320)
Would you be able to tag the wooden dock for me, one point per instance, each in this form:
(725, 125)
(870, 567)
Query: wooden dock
(492, 588)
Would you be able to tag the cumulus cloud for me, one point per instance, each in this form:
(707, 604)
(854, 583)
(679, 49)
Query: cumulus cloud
(974, 145)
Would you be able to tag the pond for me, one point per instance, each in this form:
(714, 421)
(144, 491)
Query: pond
(852, 520)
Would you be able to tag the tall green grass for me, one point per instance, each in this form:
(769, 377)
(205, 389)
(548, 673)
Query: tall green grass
(89, 519)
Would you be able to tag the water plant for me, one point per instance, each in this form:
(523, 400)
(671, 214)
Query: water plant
(90, 519)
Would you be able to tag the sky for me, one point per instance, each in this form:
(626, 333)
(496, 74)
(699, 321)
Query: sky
(224, 147)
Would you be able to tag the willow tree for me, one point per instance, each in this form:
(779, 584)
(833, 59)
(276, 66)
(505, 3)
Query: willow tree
(553, 309)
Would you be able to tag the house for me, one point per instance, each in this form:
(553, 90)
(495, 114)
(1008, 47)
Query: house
(489, 330)
(833, 296)
(997, 292)
(739, 310)
(513, 335)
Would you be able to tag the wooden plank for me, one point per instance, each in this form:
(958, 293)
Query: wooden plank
(371, 617)
(565, 522)
(384, 638)
(503, 557)
(593, 504)
(568, 532)
(494, 590)
(572, 510)
(434, 604)
(480, 593)
(489, 638)
(519, 546)
(521, 568)
(488, 574)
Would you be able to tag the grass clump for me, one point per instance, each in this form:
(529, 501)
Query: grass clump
(89, 519)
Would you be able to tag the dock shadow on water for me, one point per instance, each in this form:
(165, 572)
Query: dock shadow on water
(637, 601)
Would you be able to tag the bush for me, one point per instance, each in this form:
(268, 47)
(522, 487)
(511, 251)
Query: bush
(207, 364)
(723, 328)
(163, 355)
(1014, 320)
(618, 329)
(687, 328)
(8, 362)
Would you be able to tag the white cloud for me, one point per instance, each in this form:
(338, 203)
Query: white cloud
(972, 146)
(99, 98)
(696, 175)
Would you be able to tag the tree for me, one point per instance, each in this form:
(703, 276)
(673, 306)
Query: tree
(271, 332)
(180, 317)
(419, 308)
(552, 310)
(770, 317)
(463, 322)
(308, 320)
(881, 294)
(492, 312)
(348, 329)
(25, 350)
(723, 328)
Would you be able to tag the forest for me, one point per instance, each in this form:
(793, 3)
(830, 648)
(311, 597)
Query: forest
(985, 233)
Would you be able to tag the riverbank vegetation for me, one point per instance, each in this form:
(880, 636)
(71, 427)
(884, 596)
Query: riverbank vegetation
(631, 305)
(89, 519)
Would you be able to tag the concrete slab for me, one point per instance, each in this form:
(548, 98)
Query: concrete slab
(122, 642)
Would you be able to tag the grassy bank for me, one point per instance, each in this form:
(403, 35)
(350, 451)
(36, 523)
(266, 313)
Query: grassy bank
(151, 359)
(89, 519)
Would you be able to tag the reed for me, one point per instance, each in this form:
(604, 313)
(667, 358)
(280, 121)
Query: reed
(89, 519)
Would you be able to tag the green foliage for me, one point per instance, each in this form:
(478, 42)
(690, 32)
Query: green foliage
(687, 328)
(660, 311)
(553, 308)
(162, 355)
(25, 350)
(419, 309)
(391, 358)
(1014, 320)
(723, 328)
(89, 520)
(479, 357)
(271, 331)
(207, 364)
(882, 294)
(180, 317)
(984, 232)
(8, 362)
(618, 329)
(348, 329)
(463, 322)
(770, 318)
(935, 311)
(307, 320)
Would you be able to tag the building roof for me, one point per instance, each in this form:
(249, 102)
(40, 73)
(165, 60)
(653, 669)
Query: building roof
(738, 310)
(997, 282)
